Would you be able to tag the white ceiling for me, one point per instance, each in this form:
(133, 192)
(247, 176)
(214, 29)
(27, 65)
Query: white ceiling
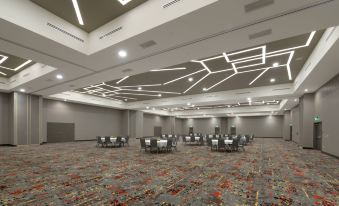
(189, 30)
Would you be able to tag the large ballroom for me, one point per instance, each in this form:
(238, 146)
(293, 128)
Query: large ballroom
(169, 102)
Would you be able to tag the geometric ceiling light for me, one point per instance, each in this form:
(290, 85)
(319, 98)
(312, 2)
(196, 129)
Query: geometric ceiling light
(77, 12)
(245, 61)
(124, 2)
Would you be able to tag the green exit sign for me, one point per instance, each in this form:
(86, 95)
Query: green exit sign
(316, 119)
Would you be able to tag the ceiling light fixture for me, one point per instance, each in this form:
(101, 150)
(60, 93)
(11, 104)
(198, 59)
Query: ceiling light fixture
(104, 95)
(124, 2)
(190, 79)
(147, 107)
(77, 11)
(188, 103)
(204, 89)
(122, 53)
(276, 64)
(159, 95)
(295, 99)
(306, 90)
(139, 88)
(169, 69)
(59, 76)
(22, 90)
(125, 100)
(272, 80)
(121, 80)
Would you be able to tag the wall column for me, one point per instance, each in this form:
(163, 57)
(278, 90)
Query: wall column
(306, 120)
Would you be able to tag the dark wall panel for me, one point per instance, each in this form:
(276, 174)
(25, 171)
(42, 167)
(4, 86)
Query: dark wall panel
(60, 132)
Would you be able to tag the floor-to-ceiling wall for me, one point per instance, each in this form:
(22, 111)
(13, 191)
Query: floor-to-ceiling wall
(4, 118)
(260, 126)
(90, 121)
(152, 120)
(326, 107)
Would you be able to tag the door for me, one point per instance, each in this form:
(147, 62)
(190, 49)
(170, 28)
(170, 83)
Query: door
(190, 130)
(157, 131)
(291, 132)
(60, 132)
(233, 130)
(217, 130)
(317, 138)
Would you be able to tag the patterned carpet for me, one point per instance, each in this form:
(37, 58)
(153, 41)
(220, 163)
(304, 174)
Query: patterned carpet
(269, 172)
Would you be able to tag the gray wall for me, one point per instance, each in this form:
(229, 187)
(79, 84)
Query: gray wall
(151, 121)
(202, 125)
(179, 126)
(4, 118)
(260, 126)
(306, 120)
(286, 125)
(326, 106)
(295, 124)
(89, 121)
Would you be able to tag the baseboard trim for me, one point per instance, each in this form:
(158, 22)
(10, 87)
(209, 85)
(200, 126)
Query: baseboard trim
(8, 145)
(85, 140)
(332, 155)
(307, 147)
(268, 137)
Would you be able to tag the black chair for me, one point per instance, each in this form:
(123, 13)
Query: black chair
(118, 142)
(154, 145)
(126, 140)
(235, 145)
(241, 143)
(192, 139)
(99, 142)
(169, 145)
(221, 145)
(174, 143)
(108, 141)
(201, 140)
(143, 144)
(214, 146)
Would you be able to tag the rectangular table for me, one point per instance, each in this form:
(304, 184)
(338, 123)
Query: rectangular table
(215, 142)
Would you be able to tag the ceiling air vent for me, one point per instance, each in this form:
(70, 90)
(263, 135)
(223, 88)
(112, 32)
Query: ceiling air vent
(260, 34)
(243, 93)
(281, 89)
(171, 3)
(258, 5)
(127, 70)
(111, 32)
(65, 32)
(148, 44)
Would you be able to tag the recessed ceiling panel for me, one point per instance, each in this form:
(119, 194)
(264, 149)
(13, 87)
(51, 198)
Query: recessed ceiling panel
(273, 63)
(95, 13)
(11, 65)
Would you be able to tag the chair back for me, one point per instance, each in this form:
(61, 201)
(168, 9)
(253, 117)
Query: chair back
(99, 140)
(154, 143)
(142, 143)
(192, 138)
(118, 139)
(221, 143)
(108, 139)
(169, 143)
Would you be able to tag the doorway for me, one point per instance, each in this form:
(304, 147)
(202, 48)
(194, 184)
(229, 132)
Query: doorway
(317, 136)
(217, 130)
(233, 130)
(291, 132)
(157, 131)
(190, 130)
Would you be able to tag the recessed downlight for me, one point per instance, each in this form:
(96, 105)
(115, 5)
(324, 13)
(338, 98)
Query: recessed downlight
(147, 107)
(122, 53)
(204, 89)
(188, 103)
(159, 95)
(104, 95)
(124, 2)
(22, 90)
(272, 80)
(139, 88)
(125, 100)
(59, 76)
(190, 79)
(275, 64)
(306, 90)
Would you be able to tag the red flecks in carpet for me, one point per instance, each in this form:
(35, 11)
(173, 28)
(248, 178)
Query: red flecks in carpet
(217, 195)
(118, 177)
(177, 189)
(17, 192)
(225, 184)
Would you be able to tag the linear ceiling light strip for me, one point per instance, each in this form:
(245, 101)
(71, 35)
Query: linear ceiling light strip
(174, 80)
(197, 82)
(221, 81)
(121, 80)
(77, 12)
(262, 73)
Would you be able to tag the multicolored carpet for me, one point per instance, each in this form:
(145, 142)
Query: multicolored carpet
(269, 172)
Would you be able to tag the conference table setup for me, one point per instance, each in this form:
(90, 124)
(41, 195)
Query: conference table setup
(157, 144)
(112, 141)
